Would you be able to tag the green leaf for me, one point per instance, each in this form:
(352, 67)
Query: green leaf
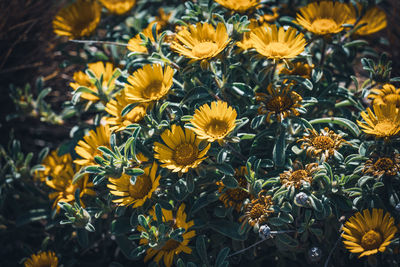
(33, 216)
(351, 126)
(201, 249)
(83, 237)
(279, 150)
(201, 202)
(230, 181)
(242, 89)
(128, 108)
(226, 228)
(226, 169)
(121, 226)
(219, 262)
(134, 172)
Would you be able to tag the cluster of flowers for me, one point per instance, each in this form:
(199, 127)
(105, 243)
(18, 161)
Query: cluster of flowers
(196, 138)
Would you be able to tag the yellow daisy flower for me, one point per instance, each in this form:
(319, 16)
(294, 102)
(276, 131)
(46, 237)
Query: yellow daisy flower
(118, 7)
(171, 247)
(234, 197)
(280, 101)
(54, 165)
(135, 194)
(98, 68)
(151, 83)
(323, 144)
(385, 123)
(239, 5)
(269, 18)
(277, 44)
(387, 165)
(181, 150)
(115, 107)
(368, 233)
(87, 148)
(78, 19)
(65, 189)
(135, 44)
(42, 259)
(201, 41)
(375, 19)
(298, 68)
(214, 122)
(326, 17)
(258, 210)
(246, 43)
(298, 177)
(387, 95)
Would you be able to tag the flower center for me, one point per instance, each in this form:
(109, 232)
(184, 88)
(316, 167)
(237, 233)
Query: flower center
(152, 90)
(216, 128)
(205, 49)
(141, 187)
(170, 245)
(323, 142)
(279, 103)
(324, 25)
(278, 49)
(185, 154)
(298, 175)
(385, 127)
(257, 211)
(371, 240)
(385, 164)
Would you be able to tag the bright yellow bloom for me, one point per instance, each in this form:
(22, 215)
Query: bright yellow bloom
(323, 144)
(387, 95)
(280, 101)
(214, 122)
(135, 44)
(239, 5)
(171, 247)
(298, 68)
(246, 42)
(54, 165)
(78, 19)
(181, 150)
(369, 233)
(375, 19)
(234, 197)
(42, 259)
(269, 17)
(135, 194)
(118, 7)
(385, 123)
(201, 41)
(151, 83)
(65, 189)
(115, 107)
(277, 44)
(87, 149)
(98, 68)
(326, 17)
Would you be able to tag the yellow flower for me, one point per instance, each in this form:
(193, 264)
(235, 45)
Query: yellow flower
(65, 189)
(234, 197)
(115, 107)
(135, 194)
(151, 83)
(78, 19)
(54, 165)
(299, 69)
(368, 233)
(385, 123)
(171, 247)
(246, 42)
(322, 144)
(136, 43)
(374, 17)
(379, 166)
(98, 68)
(214, 122)
(118, 7)
(258, 210)
(269, 17)
(42, 259)
(387, 95)
(87, 149)
(181, 150)
(326, 17)
(280, 101)
(298, 177)
(239, 5)
(277, 44)
(201, 42)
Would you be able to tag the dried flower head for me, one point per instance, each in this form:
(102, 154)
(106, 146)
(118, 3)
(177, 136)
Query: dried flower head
(378, 166)
(297, 177)
(298, 69)
(323, 144)
(258, 210)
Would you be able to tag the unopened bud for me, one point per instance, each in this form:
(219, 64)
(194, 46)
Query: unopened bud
(264, 232)
(301, 199)
(315, 254)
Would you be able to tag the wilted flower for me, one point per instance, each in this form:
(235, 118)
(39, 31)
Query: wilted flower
(298, 177)
(258, 210)
(298, 69)
(378, 166)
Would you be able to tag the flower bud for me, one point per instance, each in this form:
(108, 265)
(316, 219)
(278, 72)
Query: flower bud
(315, 254)
(264, 231)
(301, 199)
